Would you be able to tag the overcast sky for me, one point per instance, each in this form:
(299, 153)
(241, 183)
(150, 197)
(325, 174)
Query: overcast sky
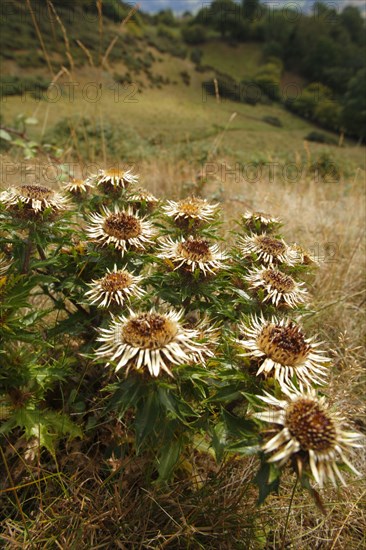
(180, 6)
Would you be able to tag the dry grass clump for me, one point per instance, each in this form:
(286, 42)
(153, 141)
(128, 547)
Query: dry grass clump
(84, 507)
(342, 523)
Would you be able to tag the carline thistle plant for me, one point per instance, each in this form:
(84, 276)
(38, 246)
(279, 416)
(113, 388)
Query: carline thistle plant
(144, 305)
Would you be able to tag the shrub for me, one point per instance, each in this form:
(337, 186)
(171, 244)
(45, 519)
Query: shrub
(353, 113)
(319, 137)
(326, 168)
(273, 121)
(186, 77)
(268, 78)
(194, 34)
(273, 49)
(228, 87)
(316, 103)
(165, 32)
(327, 113)
(196, 56)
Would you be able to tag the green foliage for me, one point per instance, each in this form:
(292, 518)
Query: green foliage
(246, 91)
(186, 77)
(327, 114)
(251, 9)
(354, 107)
(268, 78)
(319, 137)
(273, 121)
(15, 85)
(316, 103)
(351, 19)
(222, 15)
(165, 17)
(165, 32)
(196, 56)
(326, 168)
(194, 34)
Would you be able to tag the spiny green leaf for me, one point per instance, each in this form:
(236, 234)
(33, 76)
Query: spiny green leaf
(168, 458)
(218, 441)
(127, 395)
(47, 426)
(267, 480)
(237, 427)
(5, 135)
(175, 405)
(146, 418)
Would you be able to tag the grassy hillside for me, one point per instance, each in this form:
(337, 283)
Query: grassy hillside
(150, 98)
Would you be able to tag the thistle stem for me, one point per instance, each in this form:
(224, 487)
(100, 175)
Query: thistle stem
(41, 253)
(288, 513)
(27, 253)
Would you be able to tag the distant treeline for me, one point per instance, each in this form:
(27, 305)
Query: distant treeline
(326, 47)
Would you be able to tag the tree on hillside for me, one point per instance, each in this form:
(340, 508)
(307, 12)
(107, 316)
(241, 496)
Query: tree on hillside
(222, 15)
(352, 21)
(251, 9)
(324, 12)
(194, 34)
(354, 110)
(166, 17)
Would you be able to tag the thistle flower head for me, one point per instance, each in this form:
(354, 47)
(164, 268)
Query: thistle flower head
(268, 249)
(115, 178)
(32, 199)
(282, 349)
(151, 340)
(141, 196)
(116, 286)
(191, 209)
(278, 287)
(309, 431)
(252, 219)
(122, 228)
(78, 186)
(193, 253)
(303, 256)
